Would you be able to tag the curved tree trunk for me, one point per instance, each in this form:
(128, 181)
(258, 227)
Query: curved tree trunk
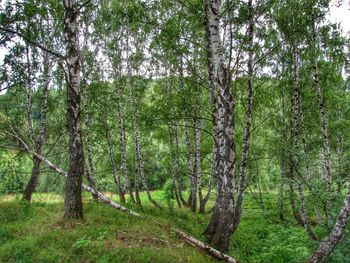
(328, 245)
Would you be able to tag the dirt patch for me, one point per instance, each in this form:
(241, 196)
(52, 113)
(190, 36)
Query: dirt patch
(138, 239)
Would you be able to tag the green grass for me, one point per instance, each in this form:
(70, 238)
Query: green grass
(35, 233)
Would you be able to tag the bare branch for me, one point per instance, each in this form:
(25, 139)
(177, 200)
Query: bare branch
(33, 43)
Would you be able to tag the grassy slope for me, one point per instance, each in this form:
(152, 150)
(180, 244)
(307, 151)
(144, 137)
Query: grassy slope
(35, 233)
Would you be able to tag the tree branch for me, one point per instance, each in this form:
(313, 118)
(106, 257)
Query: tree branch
(33, 43)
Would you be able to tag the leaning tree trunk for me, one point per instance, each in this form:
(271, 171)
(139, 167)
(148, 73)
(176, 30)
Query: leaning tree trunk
(58, 170)
(328, 245)
(220, 227)
(73, 204)
(39, 143)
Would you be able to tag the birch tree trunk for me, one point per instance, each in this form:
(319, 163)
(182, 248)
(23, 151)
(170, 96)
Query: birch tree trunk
(192, 200)
(295, 143)
(188, 145)
(122, 139)
(204, 201)
(140, 164)
(197, 160)
(213, 103)
(90, 173)
(39, 143)
(73, 205)
(293, 138)
(248, 121)
(173, 164)
(29, 99)
(178, 167)
(305, 150)
(220, 227)
(138, 157)
(328, 245)
(323, 119)
(116, 176)
(58, 170)
(283, 163)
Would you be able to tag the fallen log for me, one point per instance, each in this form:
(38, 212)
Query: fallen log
(87, 188)
(189, 239)
(204, 247)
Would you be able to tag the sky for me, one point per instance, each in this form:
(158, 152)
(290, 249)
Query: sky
(339, 13)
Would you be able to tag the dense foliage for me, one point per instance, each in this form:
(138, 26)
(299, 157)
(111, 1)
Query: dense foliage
(183, 105)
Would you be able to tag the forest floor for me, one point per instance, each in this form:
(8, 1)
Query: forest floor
(36, 233)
